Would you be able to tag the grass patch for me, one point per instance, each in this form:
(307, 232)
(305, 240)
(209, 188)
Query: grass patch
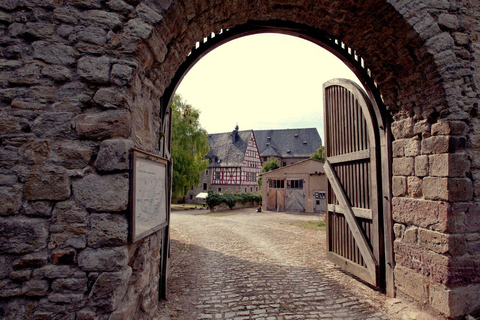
(220, 214)
(317, 225)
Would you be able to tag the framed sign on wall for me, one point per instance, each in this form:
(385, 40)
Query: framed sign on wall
(148, 194)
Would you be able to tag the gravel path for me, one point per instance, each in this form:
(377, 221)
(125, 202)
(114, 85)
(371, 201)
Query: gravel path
(249, 265)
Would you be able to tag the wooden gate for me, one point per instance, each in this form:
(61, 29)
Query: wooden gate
(355, 240)
(295, 195)
(276, 199)
(295, 200)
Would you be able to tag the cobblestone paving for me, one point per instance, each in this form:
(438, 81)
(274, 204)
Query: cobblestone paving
(252, 265)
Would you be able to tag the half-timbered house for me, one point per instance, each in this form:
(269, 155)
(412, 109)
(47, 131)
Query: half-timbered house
(234, 164)
(235, 158)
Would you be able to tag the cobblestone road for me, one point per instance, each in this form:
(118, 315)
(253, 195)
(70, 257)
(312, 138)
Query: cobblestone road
(252, 265)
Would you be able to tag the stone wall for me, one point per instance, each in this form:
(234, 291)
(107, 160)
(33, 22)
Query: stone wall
(80, 83)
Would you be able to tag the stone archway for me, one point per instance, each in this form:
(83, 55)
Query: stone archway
(81, 83)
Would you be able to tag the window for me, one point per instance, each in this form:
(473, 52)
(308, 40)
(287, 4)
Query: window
(206, 173)
(295, 184)
(191, 197)
(217, 175)
(204, 187)
(219, 189)
(276, 184)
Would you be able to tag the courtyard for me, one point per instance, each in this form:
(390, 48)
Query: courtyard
(270, 265)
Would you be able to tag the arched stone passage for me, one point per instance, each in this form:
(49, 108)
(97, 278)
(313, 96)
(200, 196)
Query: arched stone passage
(80, 85)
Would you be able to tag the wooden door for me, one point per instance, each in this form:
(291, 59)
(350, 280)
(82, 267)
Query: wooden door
(354, 240)
(272, 199)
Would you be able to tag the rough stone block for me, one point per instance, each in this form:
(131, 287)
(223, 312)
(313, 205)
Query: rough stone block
(114, 155)
(109, 289)
(464, 270)
(468, 217)
(48, 184)
(403, 128)
(54, 124)
(76, 242)
(53, 53)
(449, 165)
(421, 166)
(103, 259)
(72, 154)
(78, 285)
(448, 21)
(107, 230)
(68, 212)
(137, 28)
(399, 186)
(105, 125)
(412, 148)
(109, 98)
(460, 189)
(34, 260)
(107, 193)
(53, 272)
(38, 208)
(10, 200)
(403, 166)
(20, 275)
(426, 263)
(67, 298)
(101, 18)
(86, 4)
(442, 243)
(94, 69)
(410, 283)
(422, 213)
(93, 35)
(460, 300)
(422, 128)
(35, 288)
(436, 145)
(448, 189)
(410, 235)
(20, 235)
(9, 289)
(121, 74)
(414, 186)
(398, 148)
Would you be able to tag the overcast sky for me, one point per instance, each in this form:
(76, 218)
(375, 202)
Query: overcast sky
(265, 81)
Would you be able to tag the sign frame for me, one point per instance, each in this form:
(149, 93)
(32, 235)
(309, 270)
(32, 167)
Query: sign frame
(148, 187)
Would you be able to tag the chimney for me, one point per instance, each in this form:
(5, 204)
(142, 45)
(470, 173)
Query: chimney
(235, 134)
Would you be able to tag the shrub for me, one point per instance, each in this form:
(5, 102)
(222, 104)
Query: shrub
(214, 198)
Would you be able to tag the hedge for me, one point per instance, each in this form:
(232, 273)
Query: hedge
(214, 198)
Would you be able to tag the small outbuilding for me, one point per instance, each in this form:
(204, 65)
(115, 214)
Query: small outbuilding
(299, 187)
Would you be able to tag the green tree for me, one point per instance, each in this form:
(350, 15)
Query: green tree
(319, 155)
(189, 147)
(269, 165)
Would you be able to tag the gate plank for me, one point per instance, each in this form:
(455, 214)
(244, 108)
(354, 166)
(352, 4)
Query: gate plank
(360, 239)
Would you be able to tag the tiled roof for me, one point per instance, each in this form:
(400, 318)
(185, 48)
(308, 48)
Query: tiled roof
(223, 152)
(285, 143)
(288, 143)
